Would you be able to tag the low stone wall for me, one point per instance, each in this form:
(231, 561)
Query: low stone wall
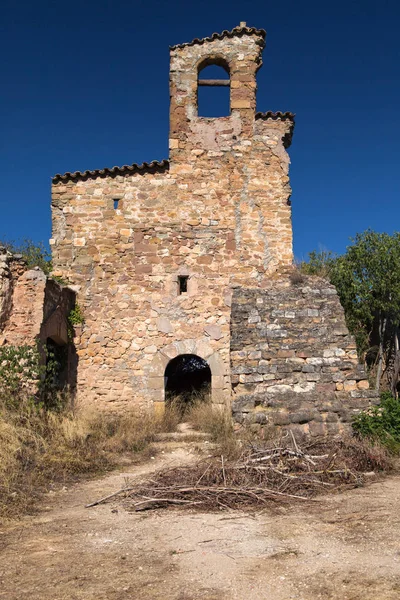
(293, 362)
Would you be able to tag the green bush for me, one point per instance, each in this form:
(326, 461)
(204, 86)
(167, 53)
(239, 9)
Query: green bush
(76, 317)
(31, 374)
(381, 423)
(20, 373)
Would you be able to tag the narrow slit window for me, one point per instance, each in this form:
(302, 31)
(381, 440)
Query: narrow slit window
(182, 284)
(116, 203)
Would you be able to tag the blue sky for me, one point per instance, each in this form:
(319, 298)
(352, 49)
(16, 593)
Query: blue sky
(84, 85)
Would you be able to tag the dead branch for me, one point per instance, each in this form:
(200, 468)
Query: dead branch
(258, 476)
(125, 489)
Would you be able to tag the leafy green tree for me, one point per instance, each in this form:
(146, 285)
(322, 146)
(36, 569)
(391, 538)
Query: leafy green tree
(367, 278)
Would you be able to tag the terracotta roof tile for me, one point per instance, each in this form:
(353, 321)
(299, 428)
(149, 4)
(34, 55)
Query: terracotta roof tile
(239, 31)
(153, 166)
(284, 116)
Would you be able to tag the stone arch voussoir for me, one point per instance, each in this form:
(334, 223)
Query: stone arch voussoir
(200, 347)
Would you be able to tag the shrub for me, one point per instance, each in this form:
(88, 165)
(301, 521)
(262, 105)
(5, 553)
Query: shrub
(76, 317)
(174, 410)
(381, 423)
(20, 373)
(215, 420)
(296, 277)
(35, 254)
(26, 376)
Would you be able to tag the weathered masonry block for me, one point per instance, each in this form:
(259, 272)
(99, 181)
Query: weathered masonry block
(217, 212)
(294, 363)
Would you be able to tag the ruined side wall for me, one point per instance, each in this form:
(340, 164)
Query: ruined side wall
(12, 273)
(5, 287)
(26, 315)
(293, 360)
(32, 307)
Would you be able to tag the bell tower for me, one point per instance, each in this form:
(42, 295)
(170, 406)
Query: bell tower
(238, 52)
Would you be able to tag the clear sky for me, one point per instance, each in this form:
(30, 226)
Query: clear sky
(84, 85)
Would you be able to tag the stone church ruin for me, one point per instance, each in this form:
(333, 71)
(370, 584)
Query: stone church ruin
(192, 256)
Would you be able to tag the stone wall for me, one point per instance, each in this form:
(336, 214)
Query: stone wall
(293, 361)
(34, 308)
(218, 212)
(11, 268)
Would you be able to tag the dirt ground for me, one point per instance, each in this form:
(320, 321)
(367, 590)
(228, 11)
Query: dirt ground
(343, 546)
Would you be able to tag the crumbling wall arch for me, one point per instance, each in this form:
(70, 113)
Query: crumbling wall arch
(200, 347)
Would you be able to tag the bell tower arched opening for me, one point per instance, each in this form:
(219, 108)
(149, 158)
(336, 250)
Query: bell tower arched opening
(213, 88)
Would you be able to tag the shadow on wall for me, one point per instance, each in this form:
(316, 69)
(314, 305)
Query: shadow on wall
(56, 337)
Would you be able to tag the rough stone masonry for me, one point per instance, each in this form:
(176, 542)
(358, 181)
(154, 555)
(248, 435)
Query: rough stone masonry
(217, 213)
(34, 308)
(293, 360)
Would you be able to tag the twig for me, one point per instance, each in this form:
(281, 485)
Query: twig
(208, 467)
(294, 441)
(223, 469)
(125, 489)
(139, 505)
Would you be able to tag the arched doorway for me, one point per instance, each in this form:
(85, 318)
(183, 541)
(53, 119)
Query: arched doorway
(188, 377)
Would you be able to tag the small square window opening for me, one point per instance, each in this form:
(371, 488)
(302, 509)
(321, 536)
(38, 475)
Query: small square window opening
(116, 203)
(182, 284)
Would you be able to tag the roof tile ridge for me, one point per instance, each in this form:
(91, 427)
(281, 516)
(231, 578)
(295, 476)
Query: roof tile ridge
(219, 36)
(135, 167)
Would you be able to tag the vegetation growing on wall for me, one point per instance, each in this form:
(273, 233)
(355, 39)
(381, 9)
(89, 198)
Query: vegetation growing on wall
(76, 317)
(35, 254)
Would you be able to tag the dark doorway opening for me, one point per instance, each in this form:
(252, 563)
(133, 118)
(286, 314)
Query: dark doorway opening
(55, 372)
(188, 377)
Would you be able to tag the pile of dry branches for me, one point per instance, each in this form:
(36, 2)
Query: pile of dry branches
(279, 472)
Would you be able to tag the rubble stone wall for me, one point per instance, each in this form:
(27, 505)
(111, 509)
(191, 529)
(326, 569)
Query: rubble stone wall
(218, 212)
(293, 362)
(32, 307)
(12, 268)
(5, 288)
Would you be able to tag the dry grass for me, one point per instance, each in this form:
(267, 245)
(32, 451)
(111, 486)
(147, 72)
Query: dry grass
(216, 420)
(174, 411)
(211, 418)
(40, 449)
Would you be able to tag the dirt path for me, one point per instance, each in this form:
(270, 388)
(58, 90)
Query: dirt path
(345, 546)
